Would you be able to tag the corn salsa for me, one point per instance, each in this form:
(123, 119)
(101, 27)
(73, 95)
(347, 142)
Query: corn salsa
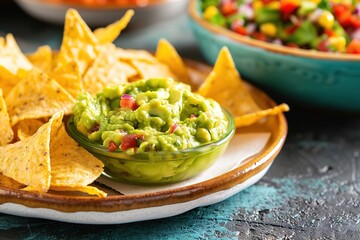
(322, 25)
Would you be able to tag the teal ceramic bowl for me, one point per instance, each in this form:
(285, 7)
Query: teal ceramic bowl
(305, 77)
(156, 167)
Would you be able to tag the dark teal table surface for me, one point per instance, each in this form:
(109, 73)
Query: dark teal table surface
(310, 192)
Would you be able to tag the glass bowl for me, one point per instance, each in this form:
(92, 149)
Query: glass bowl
(156, 167)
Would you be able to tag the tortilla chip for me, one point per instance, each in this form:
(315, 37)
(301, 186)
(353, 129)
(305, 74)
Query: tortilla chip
(168, 55)
(12, 61)
(134, 54)
(107, 69)
(11, 57)
(112, 31)
(28, 161)
(42, 59)
(225, 85)
(71, 165)
(251, 118)
(7, 80)
(68, 76)
(76, 29)
(78, 42)
(28, 127)
(37, 96)
(9, 182)
(87, 189)
(7, 133)
(152, 70)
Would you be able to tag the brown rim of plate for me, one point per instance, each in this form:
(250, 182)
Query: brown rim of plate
(277, 125)
(194, 14)
(151, 3)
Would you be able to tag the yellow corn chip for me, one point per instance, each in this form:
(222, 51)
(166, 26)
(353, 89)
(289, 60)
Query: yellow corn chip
(11, 57)
(42, 59)
(112, 31)
(76, 29)
(12, 60)
(9, 182)
(71, 165)
(28, 127)
(126, 69)
(7, 133)
(68, 76)
(152, 70)
(7, 80)
(168, 55)
(37, 96)
(132, 54)
(87, 189)
(251, 118)
(78, 42)
(28, 161)
(107, 69)
(225, 85)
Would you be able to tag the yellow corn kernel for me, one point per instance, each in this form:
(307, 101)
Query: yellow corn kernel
(326, 20)
(210, 12)
(274, 5)
(337, 42)
(257, 5)
(346, 2)
(295, 2)
(268, 29)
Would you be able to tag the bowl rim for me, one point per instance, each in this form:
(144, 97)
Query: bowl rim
(283, 50)
(151, 3)
(161, 156)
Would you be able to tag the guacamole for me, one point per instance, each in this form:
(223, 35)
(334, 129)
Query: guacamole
(149, 115)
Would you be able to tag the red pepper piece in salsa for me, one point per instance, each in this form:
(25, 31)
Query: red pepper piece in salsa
(238, 27)
(322, 46)
(259, 36)
(228, 7)
(287, 7)
(355, 21)
(354, 47)
(342, 13)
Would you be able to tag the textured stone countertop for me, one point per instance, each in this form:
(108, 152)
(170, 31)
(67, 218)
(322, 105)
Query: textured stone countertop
(312, 191)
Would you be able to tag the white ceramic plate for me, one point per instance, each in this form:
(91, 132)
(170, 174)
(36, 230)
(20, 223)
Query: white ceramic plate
(118, 217)
(152, 13)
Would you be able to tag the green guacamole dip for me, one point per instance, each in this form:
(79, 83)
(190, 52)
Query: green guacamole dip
(149, 115)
